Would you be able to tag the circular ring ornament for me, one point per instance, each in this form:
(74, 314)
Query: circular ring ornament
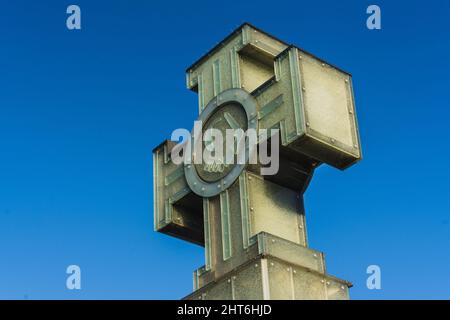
(230, 102)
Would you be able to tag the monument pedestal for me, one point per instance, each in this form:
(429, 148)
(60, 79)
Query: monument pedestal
(276, 269)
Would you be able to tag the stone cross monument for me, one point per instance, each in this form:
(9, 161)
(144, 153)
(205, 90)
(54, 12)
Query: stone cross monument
(253, 226)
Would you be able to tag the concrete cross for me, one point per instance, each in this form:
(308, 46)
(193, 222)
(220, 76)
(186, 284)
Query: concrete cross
(253, 226)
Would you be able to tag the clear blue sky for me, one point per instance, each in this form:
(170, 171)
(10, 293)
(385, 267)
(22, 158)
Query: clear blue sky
(80, 112)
